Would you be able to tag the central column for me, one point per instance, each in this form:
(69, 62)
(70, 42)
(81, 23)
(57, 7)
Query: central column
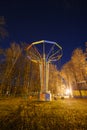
(44, 69)
(44, 77)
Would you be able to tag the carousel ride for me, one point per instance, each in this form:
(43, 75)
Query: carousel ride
(44, 52)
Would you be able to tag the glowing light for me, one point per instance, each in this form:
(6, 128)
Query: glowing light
(68, 91)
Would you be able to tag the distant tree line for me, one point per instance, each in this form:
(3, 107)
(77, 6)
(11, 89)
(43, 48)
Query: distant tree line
(75, 71)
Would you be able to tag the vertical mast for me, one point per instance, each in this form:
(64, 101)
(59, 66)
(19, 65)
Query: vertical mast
(44, 68)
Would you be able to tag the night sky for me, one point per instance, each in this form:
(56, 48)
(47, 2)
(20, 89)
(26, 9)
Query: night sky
(62, 21)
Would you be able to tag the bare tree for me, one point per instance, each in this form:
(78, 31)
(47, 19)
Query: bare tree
(11, 56)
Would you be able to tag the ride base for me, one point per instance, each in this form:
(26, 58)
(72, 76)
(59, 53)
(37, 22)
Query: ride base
(45, 96)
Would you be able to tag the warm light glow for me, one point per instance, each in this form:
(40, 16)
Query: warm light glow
(68, 91)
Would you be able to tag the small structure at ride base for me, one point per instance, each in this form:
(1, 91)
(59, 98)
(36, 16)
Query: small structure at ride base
(44, 52)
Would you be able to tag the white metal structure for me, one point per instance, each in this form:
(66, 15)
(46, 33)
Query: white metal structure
(44, 52)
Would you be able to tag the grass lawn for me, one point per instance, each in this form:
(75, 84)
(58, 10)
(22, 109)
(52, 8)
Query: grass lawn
(63, 114)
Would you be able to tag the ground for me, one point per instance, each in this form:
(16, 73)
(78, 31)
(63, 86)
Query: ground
(24, 114)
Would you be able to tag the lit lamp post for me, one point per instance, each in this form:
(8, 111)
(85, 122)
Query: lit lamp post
(44, 52)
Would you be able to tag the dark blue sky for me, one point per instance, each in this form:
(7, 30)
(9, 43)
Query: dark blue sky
(62, 21)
